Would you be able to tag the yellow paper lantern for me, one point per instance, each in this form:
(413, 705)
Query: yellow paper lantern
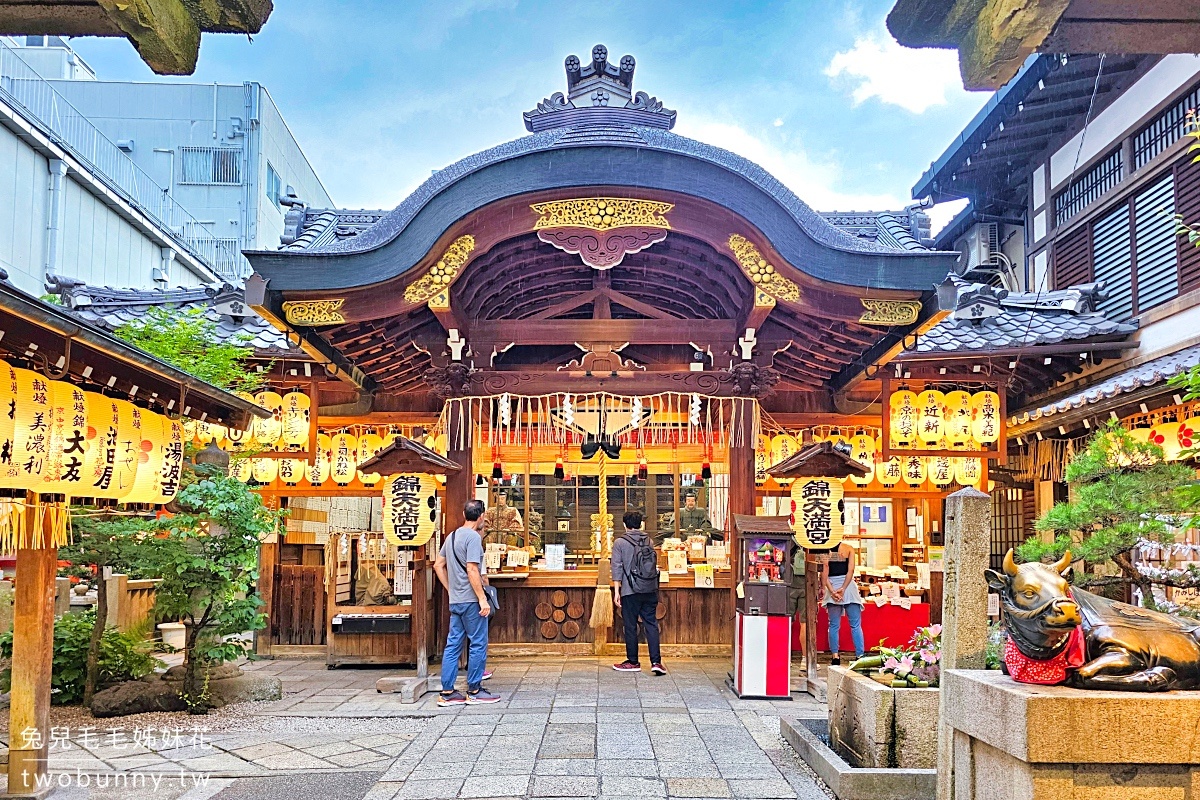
(212, 432)
(8, 413)
(264, 470)
(889, 472)
(914, 469)
(296, 409)
(126, 453)
(783, 447)
(171, 468)
(31, 429)
(959, 417)
(941, 468)
(150, 456)
(409, 509)
(317, 472)
(343, 465)
(931, 416)
(369, 444)
(1189, 433)
(267, 431)
(189, 429)
(864, 453)
(904, 413)
(968, 471)
(1166, 436)
(100, 448)
(818, 513)
(63, 472)
(241, 468)
(762, 458)
(1140, 434)
(291, 470)
(986, 424)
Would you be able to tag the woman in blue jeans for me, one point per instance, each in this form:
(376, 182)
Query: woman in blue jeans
(841, 595)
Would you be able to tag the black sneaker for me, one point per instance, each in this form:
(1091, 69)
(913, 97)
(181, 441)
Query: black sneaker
(482, 697)
(658, 669)
(627, 666)
(836, 661)
(452, 699)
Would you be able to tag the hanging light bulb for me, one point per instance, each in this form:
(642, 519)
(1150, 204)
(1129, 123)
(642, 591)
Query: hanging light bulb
(497, 471)
(558, 469)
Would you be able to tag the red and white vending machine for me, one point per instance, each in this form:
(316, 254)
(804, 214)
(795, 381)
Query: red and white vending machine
(762, 645)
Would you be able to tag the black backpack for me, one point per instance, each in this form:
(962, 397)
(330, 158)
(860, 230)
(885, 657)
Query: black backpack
(643, 568)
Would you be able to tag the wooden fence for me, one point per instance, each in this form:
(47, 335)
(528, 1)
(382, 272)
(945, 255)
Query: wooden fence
(298, 613)
(131, 602)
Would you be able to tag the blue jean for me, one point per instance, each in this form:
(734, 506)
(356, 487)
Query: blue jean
(854, 613)
(465, 622)
(644, 607)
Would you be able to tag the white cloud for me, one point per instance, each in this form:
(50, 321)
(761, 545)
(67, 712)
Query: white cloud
(879, 67)
(814, 181)
(941, 214)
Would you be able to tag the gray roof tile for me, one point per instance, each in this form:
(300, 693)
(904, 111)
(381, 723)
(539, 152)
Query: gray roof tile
(110, 308)
(1151, 373)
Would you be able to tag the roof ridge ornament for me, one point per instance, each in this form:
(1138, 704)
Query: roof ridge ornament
(599, 91)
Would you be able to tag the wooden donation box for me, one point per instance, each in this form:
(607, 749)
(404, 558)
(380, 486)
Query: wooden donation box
(762, 650)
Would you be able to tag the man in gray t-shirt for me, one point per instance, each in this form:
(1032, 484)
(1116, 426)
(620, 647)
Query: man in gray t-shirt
(460, 567)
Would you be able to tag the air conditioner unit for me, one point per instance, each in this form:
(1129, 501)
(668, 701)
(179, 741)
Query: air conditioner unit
(980, 246)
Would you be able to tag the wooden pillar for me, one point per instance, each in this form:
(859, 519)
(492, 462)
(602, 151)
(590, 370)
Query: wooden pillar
(460, 487)
(268, 557)
(741, 485)
(33, 655)
(420, 615)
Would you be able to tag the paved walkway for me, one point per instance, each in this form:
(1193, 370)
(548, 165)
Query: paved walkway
(565, 728)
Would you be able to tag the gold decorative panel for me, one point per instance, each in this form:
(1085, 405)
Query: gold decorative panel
(890, 312)
(601, 213)
(443, 273)
(757, 269)
(314, 312)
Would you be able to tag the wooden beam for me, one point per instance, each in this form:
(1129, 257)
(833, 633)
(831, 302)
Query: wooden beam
(634, 331)
(33, 656)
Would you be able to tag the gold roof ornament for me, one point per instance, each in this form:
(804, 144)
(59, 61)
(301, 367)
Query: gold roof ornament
(441, 274)
(601, 213)
(764, 275)
(889, 312)
(314, 312)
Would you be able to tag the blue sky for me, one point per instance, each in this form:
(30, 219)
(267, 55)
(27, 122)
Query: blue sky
(380, 93)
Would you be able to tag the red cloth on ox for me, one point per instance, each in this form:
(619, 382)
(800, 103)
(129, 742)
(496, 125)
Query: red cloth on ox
(1049, 672)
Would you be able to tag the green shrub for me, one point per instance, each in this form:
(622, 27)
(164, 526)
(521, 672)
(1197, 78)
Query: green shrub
(123, 657)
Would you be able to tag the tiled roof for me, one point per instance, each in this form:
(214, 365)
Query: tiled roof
(306, 228)
(986, 318)
(902, 230)
(109, 308)
(1151, 373)
(588, 131)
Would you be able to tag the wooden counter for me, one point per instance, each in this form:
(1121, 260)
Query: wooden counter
(549, 612)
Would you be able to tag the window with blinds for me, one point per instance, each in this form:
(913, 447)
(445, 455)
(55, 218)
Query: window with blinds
(1154, 242)
(1088, 187)
(1132, 247)
(1164, 130)
(212, 165)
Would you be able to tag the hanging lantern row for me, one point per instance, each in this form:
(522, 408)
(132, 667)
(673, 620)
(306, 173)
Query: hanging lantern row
(958, 417)
(914, 470)
(336, 462)
(1173, 437)
(56, 438)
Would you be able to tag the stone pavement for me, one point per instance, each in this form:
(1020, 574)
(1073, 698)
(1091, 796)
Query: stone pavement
(566, 727)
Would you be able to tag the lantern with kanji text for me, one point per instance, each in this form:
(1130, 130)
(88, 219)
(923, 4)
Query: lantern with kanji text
(409, 509)
(818, 513)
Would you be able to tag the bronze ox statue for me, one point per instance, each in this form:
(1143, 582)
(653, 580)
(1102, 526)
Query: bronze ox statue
(1057, 633)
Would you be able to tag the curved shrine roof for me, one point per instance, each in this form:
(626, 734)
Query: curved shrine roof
(577, 145)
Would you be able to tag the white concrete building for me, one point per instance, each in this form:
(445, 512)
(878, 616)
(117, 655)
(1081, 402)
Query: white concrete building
(137, 184)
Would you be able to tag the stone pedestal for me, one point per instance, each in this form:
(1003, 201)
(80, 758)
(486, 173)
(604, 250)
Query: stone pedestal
(1016, 741)
(876, 726)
